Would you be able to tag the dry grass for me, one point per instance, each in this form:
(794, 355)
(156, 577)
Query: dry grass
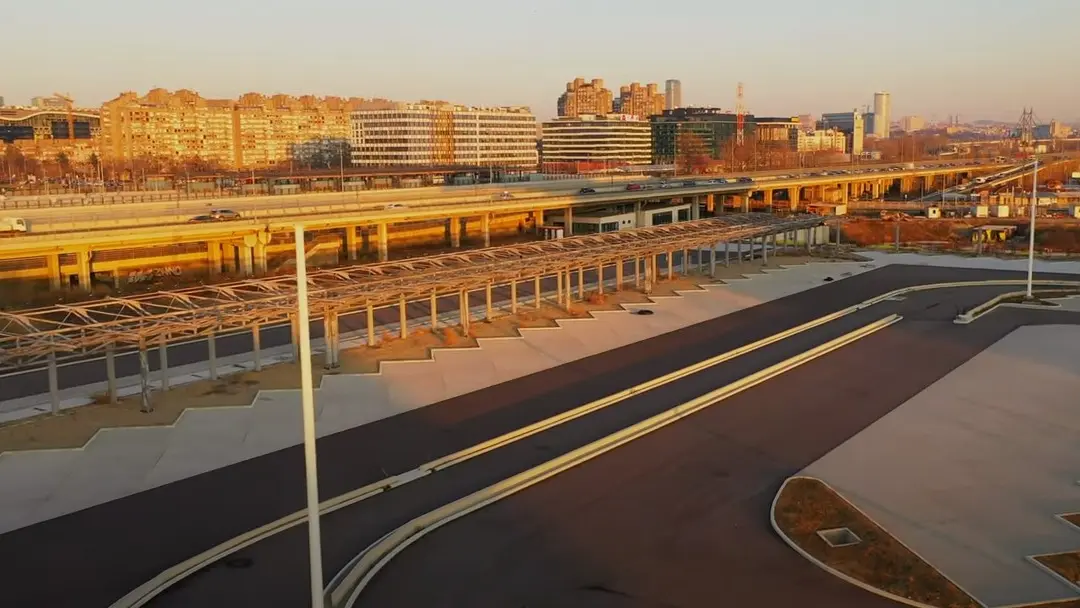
(1066, 565)
(807, 505)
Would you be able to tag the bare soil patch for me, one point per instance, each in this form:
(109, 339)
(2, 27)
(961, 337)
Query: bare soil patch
(1066, 565)
(806, 506)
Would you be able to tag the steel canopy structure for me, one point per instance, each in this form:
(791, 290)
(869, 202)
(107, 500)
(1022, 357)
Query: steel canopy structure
(76, 330)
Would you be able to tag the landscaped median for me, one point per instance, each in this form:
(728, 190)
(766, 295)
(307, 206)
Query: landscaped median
(836, 536)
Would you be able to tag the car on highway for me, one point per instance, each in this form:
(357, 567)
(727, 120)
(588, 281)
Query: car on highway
(206, 217)
(634, 187)
(745, 180)
(224, 214)
(505, 196)
(394, 206)
(12, 225)
(587, 191)
(666, 185)
(689, 183)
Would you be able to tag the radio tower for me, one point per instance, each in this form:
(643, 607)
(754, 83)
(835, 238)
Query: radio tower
(740, 116)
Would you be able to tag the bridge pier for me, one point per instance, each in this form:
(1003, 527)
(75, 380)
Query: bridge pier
(768, 199)
(794, 195)
(228, 258)
(245, 253)
(213, 258)
(568, 228)
(639, 214)
(454, 228)
(384, 242)
(82, 259)
(351, 247)
(538, 220)
(485, 228)
(259, 254)
(52, 261)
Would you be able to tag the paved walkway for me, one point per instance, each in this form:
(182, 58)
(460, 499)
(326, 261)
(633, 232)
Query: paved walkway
(42, 484)
(971, 472)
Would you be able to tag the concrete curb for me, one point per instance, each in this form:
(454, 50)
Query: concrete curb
(347, 585)
(840, 575)
(146, 592)
(991, 304)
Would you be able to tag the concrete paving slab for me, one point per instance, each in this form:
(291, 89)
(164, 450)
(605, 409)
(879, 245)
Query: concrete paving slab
(956, 261)
(971, 472)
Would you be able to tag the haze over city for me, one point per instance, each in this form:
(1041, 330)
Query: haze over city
(936, 58)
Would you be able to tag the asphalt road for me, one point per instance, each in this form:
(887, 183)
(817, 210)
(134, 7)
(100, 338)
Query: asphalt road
(679, 518)
(105, 551)
(91, 370)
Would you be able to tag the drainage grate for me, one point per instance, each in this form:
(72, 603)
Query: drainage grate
(839, 537)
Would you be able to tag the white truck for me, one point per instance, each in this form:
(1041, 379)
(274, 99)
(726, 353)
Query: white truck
(12, 225)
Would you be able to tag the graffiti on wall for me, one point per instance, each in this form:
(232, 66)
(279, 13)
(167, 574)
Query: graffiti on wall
(146, 275)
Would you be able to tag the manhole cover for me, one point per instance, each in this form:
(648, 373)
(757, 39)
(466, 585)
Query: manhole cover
(643, 311)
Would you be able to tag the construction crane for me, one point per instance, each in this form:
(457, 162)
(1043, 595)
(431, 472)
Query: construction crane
(69, 103)
(740, 116)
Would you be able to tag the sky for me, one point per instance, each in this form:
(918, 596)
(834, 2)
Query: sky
(976, 58)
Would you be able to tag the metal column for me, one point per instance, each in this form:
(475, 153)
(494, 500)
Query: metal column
(463, 311)
(144, 378)
(580, 282)
(211, 352)
(163, 354)
(54, 383)
(487, 302)
(536, 291)
(372, 339)
(294, 324)
(433, 304)
(513, 297)
(403, 318)
(256, 347)
(110, 370)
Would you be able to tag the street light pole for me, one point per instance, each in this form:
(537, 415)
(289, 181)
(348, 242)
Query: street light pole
(1031, 227)
(307, 400)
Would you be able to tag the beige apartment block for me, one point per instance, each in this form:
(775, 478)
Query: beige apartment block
(640, 101)
(254, 131)
(585, 98)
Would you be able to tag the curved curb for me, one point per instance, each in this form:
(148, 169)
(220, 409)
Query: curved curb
(347, 585)
(992, 304)
(840, 575)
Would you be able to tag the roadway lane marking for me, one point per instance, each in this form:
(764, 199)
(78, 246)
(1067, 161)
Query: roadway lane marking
(346, 586)
(152, 588)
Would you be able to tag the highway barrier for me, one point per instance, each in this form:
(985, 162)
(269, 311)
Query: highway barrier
(346, 586)
(152, 588)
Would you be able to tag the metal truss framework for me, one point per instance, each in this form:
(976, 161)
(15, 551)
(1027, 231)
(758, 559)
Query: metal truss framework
(75, 330)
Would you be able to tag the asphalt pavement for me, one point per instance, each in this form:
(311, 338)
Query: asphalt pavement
(679, 518)
(105, 551)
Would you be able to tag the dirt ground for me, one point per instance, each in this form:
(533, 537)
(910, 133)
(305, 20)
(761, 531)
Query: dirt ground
(1067, 565)
(807, 505)
(1072, 518)
(956, 235)
(75, 426)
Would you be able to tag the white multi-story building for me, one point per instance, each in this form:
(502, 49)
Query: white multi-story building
(882, 114)
(444, 134)
(594, 141)
(821, 140)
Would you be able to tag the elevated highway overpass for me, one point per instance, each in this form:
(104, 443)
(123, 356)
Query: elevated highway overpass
(59, 251)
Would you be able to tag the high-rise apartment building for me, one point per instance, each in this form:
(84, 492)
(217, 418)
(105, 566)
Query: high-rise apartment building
(640, 101)
(585, 98)
(672, 94)
(255, 131)
(777, 130)
(850, 124)
(590, 142)
(444, 134)
(171, 126)
(882, 114)
(910, 124)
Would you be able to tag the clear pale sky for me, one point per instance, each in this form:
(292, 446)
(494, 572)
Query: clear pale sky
(978, 58)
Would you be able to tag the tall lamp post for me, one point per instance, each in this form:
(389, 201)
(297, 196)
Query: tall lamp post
(307, 400)
(1031, 227)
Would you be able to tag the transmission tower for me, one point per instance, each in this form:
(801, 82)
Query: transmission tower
(1025, 129)
(740, 116)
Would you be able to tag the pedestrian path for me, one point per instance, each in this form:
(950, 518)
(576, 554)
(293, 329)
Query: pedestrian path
(37, 485)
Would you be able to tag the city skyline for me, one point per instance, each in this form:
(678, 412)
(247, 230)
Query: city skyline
(488, 57)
